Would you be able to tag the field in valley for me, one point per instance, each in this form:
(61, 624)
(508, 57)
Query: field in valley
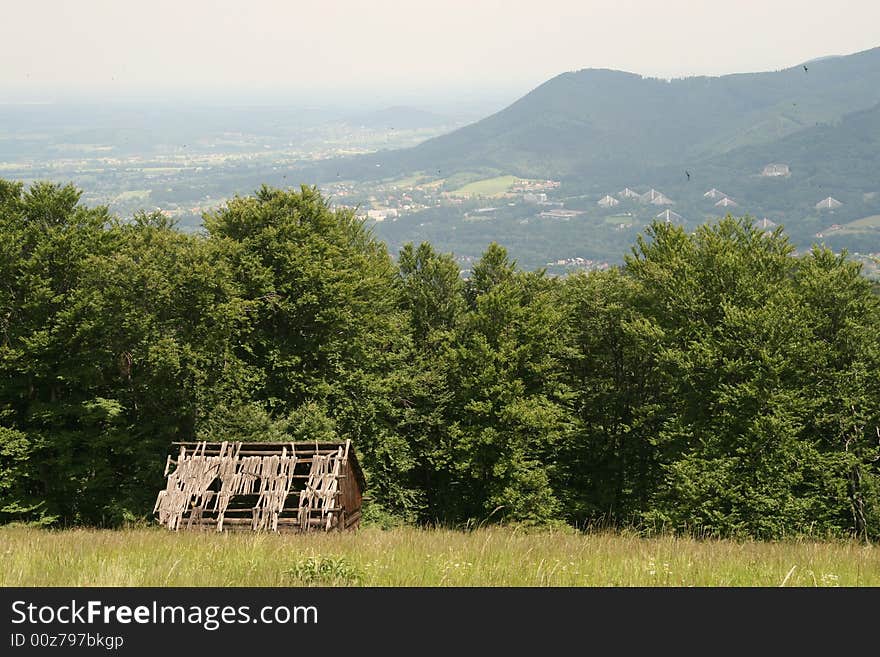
(487, 187)
(494, 556)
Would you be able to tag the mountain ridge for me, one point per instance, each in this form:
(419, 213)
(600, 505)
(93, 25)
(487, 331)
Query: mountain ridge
(609, 125)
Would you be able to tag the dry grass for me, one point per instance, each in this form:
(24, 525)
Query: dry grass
(418, 557)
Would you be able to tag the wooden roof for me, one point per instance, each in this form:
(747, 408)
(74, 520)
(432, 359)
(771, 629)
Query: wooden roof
(300, 448)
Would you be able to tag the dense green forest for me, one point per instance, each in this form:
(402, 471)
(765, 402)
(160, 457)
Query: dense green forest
(715, 383)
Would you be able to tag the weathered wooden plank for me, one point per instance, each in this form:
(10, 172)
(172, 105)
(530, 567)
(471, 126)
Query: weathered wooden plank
(255, 486)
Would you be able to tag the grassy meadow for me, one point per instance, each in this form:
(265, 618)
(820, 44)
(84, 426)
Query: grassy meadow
(494, 556)
(487, 187)
(865, 224)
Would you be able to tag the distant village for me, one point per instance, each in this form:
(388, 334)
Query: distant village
(539, 200)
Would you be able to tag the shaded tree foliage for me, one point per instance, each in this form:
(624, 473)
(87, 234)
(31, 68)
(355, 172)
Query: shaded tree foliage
(729, 393)
(484, 410)
(716, 383)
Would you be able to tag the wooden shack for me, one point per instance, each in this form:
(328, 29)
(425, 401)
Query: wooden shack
(274, 487)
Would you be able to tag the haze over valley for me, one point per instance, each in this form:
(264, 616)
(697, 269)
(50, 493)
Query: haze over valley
(565, 176)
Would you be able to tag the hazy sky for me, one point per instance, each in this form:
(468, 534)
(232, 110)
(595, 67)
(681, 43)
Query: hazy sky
(404, 48)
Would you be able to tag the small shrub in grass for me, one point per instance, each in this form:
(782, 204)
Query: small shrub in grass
(319, 570)
(375, 515)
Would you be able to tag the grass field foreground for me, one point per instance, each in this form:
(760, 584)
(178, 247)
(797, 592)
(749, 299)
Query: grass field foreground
(421, 557)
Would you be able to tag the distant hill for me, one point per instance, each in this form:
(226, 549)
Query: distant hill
(839, 158)
(821, 59)
(611, 126)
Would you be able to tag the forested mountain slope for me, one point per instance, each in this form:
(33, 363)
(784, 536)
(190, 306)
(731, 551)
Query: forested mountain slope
(607, 125)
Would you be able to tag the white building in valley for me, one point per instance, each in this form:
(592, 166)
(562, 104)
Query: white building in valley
(774, 170)
(828, 203)
(669, 217)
